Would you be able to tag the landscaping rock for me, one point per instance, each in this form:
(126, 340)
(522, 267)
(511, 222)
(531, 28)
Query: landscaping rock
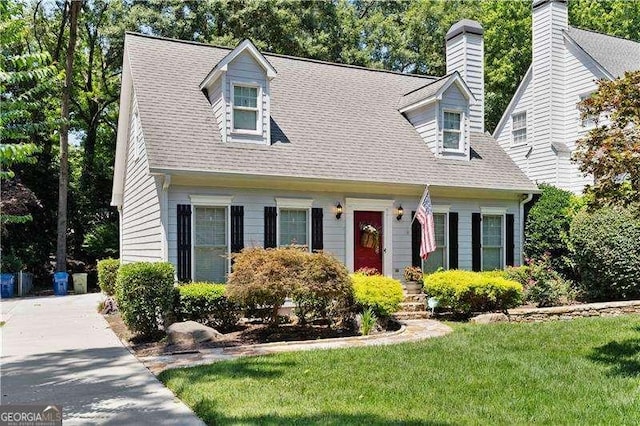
(190, 333)
(109, 306)
(490, 318)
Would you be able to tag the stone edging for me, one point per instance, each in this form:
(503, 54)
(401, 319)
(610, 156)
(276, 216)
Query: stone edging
(574, 311)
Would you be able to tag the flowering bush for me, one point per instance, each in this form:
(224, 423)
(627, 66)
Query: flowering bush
(542, 285)
(413, 273)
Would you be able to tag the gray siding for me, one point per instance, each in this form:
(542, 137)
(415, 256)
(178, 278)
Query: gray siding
(334, 229)
(465, 54)
(141, 231)
(424, 120)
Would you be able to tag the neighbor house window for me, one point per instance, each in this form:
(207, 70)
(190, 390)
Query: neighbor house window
(294, 227)
(245, 108)
(438, 258)
(492, 242)
(210, 244)
(519, 130)
(586, 122)
(452, 133)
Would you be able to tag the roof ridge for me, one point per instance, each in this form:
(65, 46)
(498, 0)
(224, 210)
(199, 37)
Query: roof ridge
(604, 34)
(428, 84)
(277, 55)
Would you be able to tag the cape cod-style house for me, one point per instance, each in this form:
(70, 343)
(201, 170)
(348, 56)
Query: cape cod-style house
(541, 125)
(220, 149)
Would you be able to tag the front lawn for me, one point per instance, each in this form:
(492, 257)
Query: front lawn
(585, 371)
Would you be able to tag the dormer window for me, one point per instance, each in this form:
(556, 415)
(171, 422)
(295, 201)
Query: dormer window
(452, 132)
(246, 115)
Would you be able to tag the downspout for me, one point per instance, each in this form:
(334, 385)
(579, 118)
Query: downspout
(120, 228)
(164, 216)
(525, 200)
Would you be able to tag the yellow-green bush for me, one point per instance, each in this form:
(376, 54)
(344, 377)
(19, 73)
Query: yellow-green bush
(382, 294)
(206, 303)
(465, 291)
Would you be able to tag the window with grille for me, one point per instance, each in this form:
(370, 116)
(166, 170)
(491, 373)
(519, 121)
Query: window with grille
(452, 132)
(245, 108)
(294, 227)
(492, 242)
(210, 244)
(519, 128)
(438, 258)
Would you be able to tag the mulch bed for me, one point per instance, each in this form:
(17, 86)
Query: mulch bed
(244, 334)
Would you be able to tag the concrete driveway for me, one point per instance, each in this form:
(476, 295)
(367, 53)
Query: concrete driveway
(59, 350)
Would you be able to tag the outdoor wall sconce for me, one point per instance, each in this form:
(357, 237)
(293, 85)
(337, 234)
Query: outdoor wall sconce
(400, 212)
(338, 210)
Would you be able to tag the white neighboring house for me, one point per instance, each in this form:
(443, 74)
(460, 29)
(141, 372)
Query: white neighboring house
(541, 125)
(220, 149)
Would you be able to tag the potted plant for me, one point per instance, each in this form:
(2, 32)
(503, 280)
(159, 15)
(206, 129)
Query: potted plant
(413, 278)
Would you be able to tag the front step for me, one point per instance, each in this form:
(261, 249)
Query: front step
(420, 298)
(411, 315)
(412, 307)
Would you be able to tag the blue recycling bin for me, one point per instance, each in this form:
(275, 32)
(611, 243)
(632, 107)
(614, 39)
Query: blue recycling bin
(60, 283)
(7, 285)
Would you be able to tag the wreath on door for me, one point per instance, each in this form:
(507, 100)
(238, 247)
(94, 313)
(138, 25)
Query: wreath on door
(370, 236)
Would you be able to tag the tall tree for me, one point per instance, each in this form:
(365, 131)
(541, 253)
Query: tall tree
(63, 187)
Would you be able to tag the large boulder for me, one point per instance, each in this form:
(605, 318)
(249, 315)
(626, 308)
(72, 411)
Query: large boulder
(190, 333)
(490, 318)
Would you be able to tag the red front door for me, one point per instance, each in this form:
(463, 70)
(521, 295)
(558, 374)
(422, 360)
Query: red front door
(366, 254)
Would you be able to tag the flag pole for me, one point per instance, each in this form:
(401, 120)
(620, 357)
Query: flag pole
(413, 219)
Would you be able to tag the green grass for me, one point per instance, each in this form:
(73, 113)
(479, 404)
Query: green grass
(585, 371)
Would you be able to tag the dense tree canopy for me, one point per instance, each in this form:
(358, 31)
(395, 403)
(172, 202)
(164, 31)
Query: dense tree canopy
(402, 36)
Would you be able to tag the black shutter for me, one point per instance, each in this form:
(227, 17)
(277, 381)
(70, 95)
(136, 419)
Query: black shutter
(416, 237)
(270, 236)
(237, 229)
(453, 240)
(476, 244)
(317, 242)
(510, 249)
(184, 242)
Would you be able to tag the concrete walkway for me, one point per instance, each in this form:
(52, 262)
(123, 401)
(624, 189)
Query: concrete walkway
(59, 350)
(411, 331)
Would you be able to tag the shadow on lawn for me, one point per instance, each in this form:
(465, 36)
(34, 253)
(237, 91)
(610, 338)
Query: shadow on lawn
(623, 357)
(207, 412)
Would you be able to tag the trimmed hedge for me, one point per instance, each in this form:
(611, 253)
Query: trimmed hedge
(206, 303)
(144, 292)
(107, 275)
(606, 251)
(381, 294)
(464, 292)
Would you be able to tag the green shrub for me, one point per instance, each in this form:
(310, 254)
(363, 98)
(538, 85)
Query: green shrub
(206, 303)
(107, 275)
(547, 228)
(542, 285)
(377, 292)
(144, 293)
(264, 278)
(606, 250)
(465, 292)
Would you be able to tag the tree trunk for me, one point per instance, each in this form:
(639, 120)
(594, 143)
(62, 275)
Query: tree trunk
(63, 184)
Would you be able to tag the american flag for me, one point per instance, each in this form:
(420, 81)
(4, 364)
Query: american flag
(424, 215)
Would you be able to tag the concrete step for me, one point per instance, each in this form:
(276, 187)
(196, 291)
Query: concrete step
(412, 307)
(411, 315)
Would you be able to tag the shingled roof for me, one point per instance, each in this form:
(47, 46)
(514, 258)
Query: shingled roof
(614, 54)
(329, 121)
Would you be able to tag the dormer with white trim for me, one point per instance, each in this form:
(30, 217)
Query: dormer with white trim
(238, 90)
(440, 113)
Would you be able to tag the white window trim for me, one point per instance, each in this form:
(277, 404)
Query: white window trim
(445, 211)
(210, 201)
(294, 204)
(513, 129)
(461, 144)
(587, 124)
(258, 108)
(494, 211)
